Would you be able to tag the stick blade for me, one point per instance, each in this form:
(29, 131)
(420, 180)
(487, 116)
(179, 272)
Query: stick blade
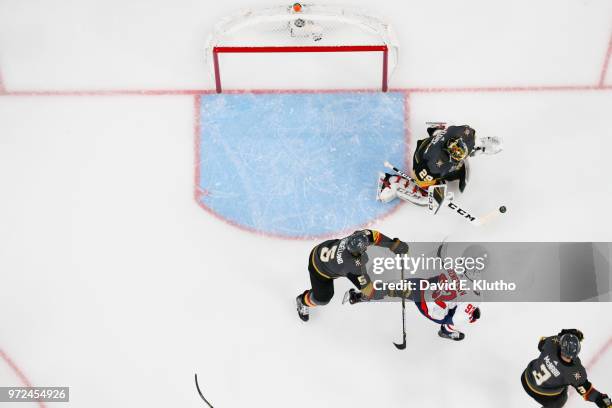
(401, 346)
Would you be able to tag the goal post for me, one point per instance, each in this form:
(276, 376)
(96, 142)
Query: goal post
(339, 48)
(302, 28)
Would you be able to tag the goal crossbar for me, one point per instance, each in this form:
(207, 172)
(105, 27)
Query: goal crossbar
(323, 48)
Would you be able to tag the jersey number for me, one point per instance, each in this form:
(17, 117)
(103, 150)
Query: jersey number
(440, 296)
(424, 176)
(328, 253)
(540, 378)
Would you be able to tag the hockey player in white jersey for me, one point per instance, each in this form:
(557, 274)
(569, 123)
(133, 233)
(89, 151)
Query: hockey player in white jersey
(451, 309)
(440, 298)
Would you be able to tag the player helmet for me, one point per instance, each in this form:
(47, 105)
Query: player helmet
(357, 243)
(457, 149)
(569, 345)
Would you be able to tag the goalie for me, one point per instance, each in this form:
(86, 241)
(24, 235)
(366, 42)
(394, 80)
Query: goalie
(439, 158)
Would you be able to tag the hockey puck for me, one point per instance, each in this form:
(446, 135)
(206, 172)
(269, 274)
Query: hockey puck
(502, 209)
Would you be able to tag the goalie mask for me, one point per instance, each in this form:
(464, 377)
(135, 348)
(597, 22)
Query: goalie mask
(357, 244)
(457, 149)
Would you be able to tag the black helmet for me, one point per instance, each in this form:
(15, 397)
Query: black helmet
(570, 345)
(357, 243)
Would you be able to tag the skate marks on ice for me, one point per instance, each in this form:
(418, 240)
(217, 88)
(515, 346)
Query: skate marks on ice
(297, 164)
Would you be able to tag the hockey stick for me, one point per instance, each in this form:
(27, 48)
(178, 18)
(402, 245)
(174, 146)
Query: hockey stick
(200, 392)
(475, 220)
(401, 173)
(402, 345)
(472, 219)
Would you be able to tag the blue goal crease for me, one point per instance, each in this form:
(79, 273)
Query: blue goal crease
(298, 164)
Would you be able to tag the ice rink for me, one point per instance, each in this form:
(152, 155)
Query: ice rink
(116, 279)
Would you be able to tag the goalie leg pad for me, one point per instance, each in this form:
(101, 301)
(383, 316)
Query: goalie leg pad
(388, 186)
(393, 186)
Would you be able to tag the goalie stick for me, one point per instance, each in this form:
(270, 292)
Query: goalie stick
(465, 214)
(200, 392)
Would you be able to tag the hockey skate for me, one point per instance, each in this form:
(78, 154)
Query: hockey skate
(450, 334)
(302, 309)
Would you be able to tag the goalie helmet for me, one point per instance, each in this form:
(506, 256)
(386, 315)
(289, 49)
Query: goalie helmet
(457, 149)
(357, 243)
(569, 345)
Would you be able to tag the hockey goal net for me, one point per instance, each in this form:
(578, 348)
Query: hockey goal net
(297, 40)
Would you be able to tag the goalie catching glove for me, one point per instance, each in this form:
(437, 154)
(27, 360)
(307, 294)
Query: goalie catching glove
(489, 145)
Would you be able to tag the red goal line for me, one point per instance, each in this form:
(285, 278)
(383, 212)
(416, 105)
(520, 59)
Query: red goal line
(323, 48)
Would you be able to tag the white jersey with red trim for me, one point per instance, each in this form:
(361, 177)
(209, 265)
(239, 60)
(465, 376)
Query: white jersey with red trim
(440, 303)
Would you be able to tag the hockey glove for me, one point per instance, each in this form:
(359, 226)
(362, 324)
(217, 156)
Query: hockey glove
(405, 292)
(575, 332)
(603, 401)
(488, 145)
(368, 293)
(353, 296)
(398, 247)
(475, 315)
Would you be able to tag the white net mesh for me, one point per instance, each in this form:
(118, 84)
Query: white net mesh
(313, 25)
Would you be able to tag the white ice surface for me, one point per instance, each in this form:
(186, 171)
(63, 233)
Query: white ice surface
(114, 282)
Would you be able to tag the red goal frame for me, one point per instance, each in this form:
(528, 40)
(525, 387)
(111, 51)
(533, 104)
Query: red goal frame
(336, 48)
